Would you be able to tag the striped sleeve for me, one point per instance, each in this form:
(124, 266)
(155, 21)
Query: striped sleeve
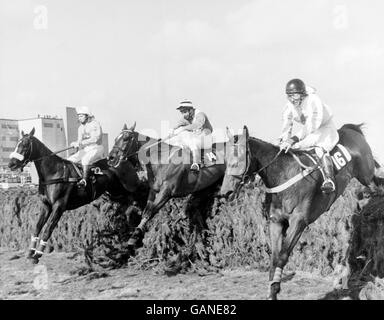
(287, 123)
(316, 114)
(198, 122)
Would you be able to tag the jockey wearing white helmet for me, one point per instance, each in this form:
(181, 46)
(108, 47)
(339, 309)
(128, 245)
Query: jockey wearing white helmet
(194, 131)
(318, 129)
(89, 142)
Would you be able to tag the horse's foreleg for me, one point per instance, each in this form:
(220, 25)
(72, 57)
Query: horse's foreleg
(44, 215)
(296, 227)
(150, 210)
(276, 229)
(57, 211)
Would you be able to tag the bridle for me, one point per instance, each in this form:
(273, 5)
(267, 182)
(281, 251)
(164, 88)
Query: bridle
(246, 176)
(24, 159)
(122, 151)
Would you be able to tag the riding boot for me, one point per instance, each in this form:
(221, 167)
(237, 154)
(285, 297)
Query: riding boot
(83, 181)
(328, 185)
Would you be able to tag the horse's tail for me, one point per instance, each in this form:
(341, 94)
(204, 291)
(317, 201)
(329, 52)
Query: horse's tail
(355, 127)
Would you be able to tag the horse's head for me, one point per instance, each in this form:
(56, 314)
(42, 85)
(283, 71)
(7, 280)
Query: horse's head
(237, 163)
(126, 146)
(23, 151)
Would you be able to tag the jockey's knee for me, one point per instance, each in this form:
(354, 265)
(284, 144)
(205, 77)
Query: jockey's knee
(320, 151)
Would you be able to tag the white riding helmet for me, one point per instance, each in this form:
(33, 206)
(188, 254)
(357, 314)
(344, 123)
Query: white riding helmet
(185, 105)
(83, 110)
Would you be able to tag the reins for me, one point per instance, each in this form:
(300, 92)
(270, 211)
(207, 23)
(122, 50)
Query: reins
(51, 154)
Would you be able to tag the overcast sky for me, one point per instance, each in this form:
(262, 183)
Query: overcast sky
(136, 60)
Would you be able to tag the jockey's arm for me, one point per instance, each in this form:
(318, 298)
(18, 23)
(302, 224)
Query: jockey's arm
(198, 122)
(76, 144)
(181, 123)
(287, 124)
(315, 117)
(95, 134)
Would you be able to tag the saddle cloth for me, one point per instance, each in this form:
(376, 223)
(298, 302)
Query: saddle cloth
(209, 156)
(339, 154)
(95, 168)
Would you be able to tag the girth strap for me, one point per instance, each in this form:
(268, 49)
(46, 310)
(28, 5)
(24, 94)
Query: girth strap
(308, 170)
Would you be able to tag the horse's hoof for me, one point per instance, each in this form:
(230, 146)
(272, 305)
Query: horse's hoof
(131, 250)
(273, 291)
(34, 260)
(31, 253)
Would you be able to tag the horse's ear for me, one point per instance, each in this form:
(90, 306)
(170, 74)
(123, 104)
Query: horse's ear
(22, 133)
(32, 132)
(245, 132)
(229, 134)
(125, 127)
(133, 127)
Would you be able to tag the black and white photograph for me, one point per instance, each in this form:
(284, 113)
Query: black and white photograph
(215, 151)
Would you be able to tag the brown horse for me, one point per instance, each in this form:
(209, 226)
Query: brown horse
(168, 172)
(58, 186)
(294, 208)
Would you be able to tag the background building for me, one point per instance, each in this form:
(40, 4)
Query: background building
(9, 135)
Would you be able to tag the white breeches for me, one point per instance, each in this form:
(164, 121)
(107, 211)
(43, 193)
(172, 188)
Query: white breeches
(326, 137)
(195, 141)
(88, 155)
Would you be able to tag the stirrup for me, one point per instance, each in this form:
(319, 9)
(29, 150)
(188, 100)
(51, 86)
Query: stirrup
(82, 183)
(195, 167)
(328, 186)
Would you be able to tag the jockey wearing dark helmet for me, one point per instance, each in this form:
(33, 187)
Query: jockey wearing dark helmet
(318, 129)
(296, 91)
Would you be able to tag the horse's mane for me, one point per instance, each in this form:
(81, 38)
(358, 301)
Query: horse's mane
(355, 127)
(148, 139)
(262, 141)
(46, 149)
(49, 151)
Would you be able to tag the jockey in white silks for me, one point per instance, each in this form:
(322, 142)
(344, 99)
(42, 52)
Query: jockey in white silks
(89, 142)
(318, 129)
(194, 131)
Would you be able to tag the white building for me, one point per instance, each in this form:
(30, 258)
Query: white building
(9, 135)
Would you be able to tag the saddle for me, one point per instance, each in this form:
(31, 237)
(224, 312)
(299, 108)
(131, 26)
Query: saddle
(339, 154)
(208, 156)
(95, 168)
(340, 158)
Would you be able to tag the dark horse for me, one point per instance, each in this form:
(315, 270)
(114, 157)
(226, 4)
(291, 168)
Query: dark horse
(168, 172)
(292, 210)
(58, 185)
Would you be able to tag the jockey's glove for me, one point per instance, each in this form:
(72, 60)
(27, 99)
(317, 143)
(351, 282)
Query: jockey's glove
(287, 144)
(75, 144)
